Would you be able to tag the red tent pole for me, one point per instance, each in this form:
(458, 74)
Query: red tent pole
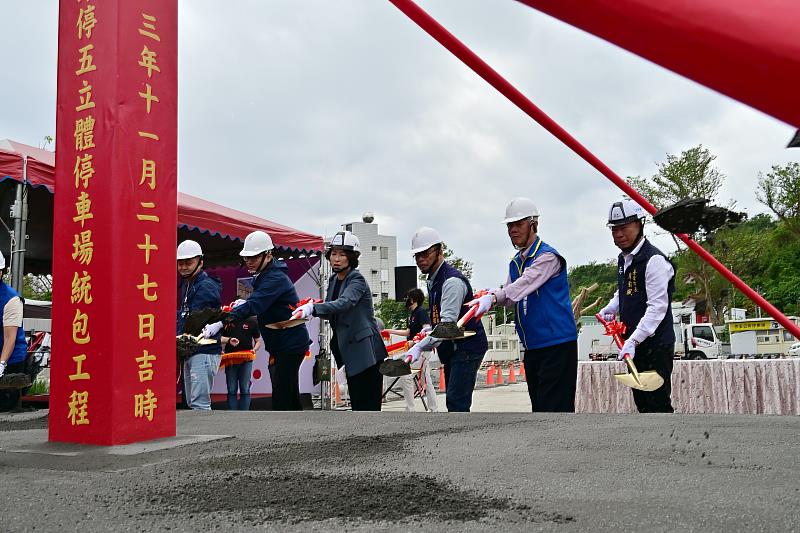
(468, 57)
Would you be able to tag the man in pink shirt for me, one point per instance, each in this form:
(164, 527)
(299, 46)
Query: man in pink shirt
(538, 290)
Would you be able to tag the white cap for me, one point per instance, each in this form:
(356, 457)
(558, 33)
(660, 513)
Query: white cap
(345, 240)
(256, 243)
(520, 208)
(423, 239)
(625, 211)
(189, 249)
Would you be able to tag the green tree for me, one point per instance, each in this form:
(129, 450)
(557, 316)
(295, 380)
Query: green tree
(503, 315)
(604, 274)
(760, 251)
(393, 313)
(690, 175)
(37, 287)
(779, 190)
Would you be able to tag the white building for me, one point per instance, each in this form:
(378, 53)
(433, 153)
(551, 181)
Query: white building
(378, 257)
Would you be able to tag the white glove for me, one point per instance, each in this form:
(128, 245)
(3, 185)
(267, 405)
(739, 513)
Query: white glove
(426, 329)
(305, 310)
(238, 302)
(628, 348)
(209, 330)
(484, 303)
(2, 368)
(607, 315)
(415, 352)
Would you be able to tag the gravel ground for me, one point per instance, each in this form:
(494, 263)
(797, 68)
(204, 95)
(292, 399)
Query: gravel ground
(323, 471)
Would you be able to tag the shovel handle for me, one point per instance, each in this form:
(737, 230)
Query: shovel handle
(467, 316)
(632, 367)
(472, 313)
(613, 329)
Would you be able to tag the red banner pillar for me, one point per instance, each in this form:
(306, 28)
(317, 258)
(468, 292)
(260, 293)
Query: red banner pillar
(113, 366)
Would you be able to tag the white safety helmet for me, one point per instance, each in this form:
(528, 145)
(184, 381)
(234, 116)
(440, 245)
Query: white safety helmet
(423, 239)
(520, 208)
(344, 240)
(189, 249)
(625, 211)
(256, 243)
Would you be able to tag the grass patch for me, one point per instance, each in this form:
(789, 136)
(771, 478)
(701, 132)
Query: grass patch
(39, 387)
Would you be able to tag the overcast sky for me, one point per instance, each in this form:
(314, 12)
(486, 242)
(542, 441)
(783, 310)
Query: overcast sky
(311, 112)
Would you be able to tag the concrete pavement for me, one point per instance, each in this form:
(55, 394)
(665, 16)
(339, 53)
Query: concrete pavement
(502, 399)
(325, 471)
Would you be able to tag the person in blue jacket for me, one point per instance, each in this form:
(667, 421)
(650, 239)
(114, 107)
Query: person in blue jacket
(197, 290)
(538, 290)
(356, 342)
(15, 349)
(271, 301)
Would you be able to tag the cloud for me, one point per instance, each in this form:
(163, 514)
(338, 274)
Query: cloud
(311, 112)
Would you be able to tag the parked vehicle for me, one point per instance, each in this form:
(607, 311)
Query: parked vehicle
(795, 349)
(697, 341)
(692, 341)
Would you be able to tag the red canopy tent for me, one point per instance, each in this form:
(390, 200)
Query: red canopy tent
(219, 229)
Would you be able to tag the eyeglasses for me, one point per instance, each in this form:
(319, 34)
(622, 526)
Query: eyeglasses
(424, 253)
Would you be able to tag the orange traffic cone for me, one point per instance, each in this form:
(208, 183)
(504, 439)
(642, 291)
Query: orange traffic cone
(499, 377)
(442, 380)
(337, 394)
(522, 376)
(490, 376)
(512, 378)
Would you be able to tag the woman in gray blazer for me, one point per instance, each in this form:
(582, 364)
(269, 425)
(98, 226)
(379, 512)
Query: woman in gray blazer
(356, 341)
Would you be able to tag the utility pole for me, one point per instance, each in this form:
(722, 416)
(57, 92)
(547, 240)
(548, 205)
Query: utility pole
(19, 214)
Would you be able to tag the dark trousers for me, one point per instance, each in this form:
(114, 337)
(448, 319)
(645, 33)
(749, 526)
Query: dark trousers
(656, 357)
(552, 373)
(285, 381)
(10, 398)
(460, 373)
(181, 386)
(366, 389)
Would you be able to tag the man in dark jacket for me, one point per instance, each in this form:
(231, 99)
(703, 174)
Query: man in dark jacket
(448, 292)
(197, 290)
(356, 342)
(272, 300)
(645, 284)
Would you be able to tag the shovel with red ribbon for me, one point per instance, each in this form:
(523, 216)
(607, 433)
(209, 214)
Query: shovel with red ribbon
(644, 381)
(295, 319)
(454, 331)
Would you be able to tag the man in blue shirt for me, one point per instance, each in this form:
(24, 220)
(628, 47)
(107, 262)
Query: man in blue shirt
(538, 290)
(197, 290)
(15, 349)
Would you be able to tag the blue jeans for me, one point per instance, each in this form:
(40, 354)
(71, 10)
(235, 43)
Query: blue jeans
(198, 375)
(460, 373)
(238, 378)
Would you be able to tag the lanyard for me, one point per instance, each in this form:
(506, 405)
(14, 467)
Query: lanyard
(533, 254)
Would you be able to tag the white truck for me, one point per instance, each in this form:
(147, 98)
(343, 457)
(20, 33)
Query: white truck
(697, 341)
(692, 341)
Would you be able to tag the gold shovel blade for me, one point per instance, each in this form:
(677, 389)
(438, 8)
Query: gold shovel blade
(198, 339)
(648, 381)
(645, 381)
(291, 323)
